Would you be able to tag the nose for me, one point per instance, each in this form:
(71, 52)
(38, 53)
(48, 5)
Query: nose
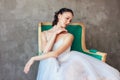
(68, 22)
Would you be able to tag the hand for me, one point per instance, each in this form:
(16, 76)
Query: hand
(59, 30)
(28, 65)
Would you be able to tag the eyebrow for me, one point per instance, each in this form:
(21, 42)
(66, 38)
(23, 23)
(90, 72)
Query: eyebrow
(69, 17)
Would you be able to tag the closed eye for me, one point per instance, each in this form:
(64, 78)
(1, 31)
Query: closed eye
(67, 18)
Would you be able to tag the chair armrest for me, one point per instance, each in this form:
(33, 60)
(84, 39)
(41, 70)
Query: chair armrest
(97, 54)
(104, 55)
(93, 50)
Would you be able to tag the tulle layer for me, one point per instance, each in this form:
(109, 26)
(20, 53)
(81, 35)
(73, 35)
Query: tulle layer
(74, 65)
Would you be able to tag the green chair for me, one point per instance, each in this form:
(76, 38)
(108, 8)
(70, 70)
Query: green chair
(78, 30)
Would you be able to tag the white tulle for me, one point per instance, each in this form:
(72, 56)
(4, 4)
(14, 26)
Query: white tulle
(73, 65)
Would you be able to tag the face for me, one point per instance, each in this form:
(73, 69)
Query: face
(64, 19)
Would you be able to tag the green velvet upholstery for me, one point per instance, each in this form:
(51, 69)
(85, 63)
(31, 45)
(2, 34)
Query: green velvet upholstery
(76, 30)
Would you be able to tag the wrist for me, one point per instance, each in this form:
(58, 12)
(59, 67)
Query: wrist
(33, 59)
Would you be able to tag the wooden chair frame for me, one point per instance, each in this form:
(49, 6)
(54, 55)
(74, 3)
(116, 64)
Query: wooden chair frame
(83, 39)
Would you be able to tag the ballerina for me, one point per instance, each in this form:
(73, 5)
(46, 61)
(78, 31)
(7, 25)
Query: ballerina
(57, 62)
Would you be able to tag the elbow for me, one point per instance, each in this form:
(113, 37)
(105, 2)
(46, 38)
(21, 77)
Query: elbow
(55, 55)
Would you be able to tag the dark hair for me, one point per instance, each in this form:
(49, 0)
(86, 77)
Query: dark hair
(61, 11)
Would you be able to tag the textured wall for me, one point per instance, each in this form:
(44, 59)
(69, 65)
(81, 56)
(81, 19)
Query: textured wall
(18, 30)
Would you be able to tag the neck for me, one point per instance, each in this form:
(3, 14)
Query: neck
(57, 26)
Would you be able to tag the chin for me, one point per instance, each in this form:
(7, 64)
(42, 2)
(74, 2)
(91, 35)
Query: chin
(64, 26)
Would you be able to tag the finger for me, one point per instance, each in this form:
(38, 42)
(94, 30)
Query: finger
(64, 29)
(26, 71)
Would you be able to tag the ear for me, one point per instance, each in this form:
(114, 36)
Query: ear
(59, 16)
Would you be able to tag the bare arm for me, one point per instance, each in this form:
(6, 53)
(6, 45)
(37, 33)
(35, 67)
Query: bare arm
(67, 43)
(47, 45)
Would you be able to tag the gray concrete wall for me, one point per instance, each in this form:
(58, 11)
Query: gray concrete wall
(18, 30)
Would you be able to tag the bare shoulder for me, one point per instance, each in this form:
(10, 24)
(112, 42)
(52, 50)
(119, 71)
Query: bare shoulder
(68, 39)
(69, 36)
(43, 35)
(43, 32)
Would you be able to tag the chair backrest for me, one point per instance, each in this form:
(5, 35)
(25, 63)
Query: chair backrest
(77, 29)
